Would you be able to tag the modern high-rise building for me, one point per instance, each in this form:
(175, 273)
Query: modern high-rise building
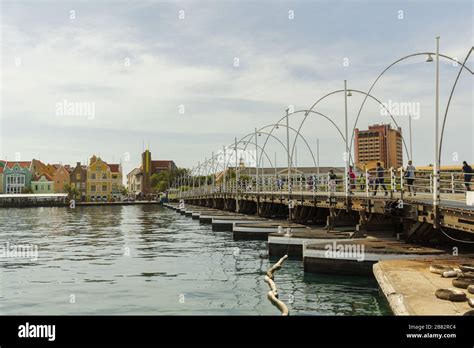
(380, 143)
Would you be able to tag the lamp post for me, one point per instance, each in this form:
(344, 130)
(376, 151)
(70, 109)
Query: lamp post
(224, 188)
(346, 155)
(236, 178)
(256, 163)
(409, 129)
(213, 178)
(317, 156)
(289, 160)
(436, 166)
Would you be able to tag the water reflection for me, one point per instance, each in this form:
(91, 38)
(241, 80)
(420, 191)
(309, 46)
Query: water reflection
(150, 260)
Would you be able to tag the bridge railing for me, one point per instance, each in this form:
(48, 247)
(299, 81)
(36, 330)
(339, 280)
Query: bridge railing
(396, 183)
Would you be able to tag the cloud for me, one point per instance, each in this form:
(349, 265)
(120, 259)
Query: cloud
(141, 65)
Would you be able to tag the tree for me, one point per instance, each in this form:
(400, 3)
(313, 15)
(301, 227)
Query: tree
(161, 181)
(72, 192)
(26, 189)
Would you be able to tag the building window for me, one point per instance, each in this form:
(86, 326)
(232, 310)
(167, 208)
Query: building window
(104, 176)
(36, 187)
(93, 176)
(93, 188)
(104, 187)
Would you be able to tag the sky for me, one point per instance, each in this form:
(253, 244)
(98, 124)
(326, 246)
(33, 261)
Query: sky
(185, 78)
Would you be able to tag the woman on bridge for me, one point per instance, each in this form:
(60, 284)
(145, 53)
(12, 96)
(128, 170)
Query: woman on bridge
(467, 170)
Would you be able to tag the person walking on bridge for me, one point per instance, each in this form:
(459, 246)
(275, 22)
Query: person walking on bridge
(410, 176)
(379, 179)
(352, 180)
(467, 170)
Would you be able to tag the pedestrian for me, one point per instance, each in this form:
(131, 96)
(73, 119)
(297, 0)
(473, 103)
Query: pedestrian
(362, 181)
(352, 180)
(467, 170)
(379, 179)
(332, 181)
(410, 177)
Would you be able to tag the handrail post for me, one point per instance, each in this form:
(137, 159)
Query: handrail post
(367, 183)
(431, 182)
(402, 172)
(393, 182)
(452, 183)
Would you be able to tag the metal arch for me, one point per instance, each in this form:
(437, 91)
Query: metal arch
(298, 133)
(383, 72)
(269, 134)
(348, 90)
(449, 101)
(302, 137)
(244, 148)
(261, 148)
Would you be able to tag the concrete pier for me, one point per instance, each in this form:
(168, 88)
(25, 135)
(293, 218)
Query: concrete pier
(409, 286)
(260, 231)
(280, 244)
(357, 257)
(226, 223)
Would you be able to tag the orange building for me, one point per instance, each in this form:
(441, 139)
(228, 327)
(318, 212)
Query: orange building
(380, 143)
(61, 178)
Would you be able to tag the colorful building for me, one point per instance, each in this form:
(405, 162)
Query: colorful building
(104, 181)
(16, 176)
(42, 184)
(78, 179)
(61, 178)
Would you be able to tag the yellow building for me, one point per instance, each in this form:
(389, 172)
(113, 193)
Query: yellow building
(104, 181)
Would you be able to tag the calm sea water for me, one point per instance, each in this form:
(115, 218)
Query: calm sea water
(150, 260)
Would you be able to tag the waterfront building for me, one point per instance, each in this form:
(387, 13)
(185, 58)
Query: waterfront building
(139, 179)
(104, 181)
(115, 181)
(134, 181)
(78, 178)
(380, 143)
(42, 184)
(16, 176)
(61, 178)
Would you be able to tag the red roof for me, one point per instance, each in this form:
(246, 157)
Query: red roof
(114, 167)
(161, 164)
(22, 164)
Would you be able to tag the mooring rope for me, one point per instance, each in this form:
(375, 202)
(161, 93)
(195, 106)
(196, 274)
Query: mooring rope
(273, 293)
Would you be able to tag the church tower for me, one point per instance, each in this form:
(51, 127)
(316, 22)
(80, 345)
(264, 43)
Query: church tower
(147, 172)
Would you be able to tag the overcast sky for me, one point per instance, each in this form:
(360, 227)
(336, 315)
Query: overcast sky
(188, 77)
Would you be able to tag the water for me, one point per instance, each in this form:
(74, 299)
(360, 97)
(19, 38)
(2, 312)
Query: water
(150, 260)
